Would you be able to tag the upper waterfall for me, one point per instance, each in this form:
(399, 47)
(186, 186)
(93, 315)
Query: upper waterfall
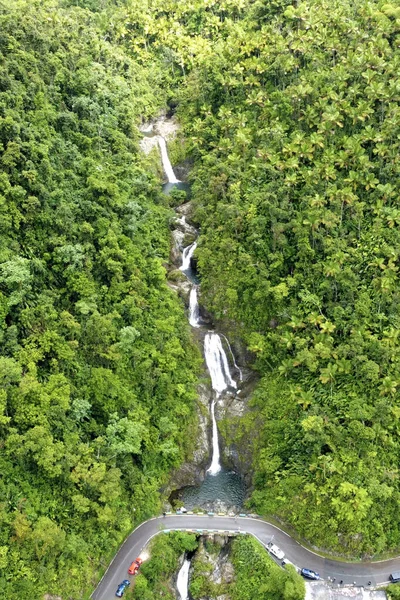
(166, 162)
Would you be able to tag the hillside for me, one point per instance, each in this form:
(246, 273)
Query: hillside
(293, 119)
(98, 371)
(290, 112)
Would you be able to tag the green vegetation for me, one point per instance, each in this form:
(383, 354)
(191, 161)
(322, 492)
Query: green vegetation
(97, 368)
(291, 115)
(258, 577)
(165, 550)
(291, 118)
(393, 591)
(201, 584)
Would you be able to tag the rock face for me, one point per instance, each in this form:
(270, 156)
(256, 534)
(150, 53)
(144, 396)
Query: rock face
(211, 570)
(192, 472)
(236, 448)
(183, 234)
(167, 128)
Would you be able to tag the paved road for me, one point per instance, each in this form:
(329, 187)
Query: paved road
(360, 573)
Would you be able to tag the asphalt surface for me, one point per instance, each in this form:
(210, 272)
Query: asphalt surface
(350, 573)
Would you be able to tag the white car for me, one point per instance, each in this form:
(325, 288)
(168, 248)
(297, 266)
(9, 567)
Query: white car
(275, 551)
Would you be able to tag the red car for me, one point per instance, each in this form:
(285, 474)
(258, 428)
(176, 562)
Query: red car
(134, 568)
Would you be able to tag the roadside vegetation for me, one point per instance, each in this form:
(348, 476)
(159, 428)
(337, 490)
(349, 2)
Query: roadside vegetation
(393, 591)
(258, 577)
(154, 577)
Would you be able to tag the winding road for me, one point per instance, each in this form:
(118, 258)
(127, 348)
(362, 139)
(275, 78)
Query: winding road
(350, 573)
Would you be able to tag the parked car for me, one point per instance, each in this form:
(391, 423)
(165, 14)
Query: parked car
(309, 574)
(394, 577)
(134, 568)
(122, 587)
(275, 551)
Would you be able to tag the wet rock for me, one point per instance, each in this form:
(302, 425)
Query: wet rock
(167, 127)
(181, 287)
(176, 247)
(183, 235)
(183, 169)
(211, 564)
(147, 128)
(192, 472)
(147, 144)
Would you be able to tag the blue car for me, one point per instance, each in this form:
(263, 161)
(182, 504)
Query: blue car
(122, 587)
(310, 574)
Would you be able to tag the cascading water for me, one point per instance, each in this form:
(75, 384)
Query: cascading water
(217, 363)
(166, 162)
(220, 485)
(194, 315)
(221, 379)
(187, 256)
(239, 370)
(215, 466)
(183, 580)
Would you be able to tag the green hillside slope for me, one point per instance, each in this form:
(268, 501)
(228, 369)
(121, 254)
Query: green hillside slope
(97, 369)
(293, 118)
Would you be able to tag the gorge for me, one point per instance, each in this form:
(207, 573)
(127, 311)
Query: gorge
(125, 379)
(221, 486)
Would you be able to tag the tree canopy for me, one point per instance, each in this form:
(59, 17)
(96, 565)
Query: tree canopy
(292, 118)
(97, 368)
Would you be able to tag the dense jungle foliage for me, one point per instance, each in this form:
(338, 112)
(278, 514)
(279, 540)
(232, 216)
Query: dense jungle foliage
(291, 115)
(293, 119)
(97, 367)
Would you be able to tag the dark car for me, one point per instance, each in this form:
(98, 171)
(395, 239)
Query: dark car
(394, 577)
(309, 574)
(122, 587)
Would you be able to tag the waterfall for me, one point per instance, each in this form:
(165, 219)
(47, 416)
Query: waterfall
(221, 379)
(187, 255)
(217, 363)
(194, 308)
(218, 484)
(233, 358)
(215, 466)
(183, 580)
(166, 162)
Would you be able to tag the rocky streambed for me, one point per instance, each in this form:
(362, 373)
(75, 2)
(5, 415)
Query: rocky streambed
(226, 489)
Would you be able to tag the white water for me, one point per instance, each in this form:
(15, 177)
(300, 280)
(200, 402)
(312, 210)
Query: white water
(233, 358)
(187, 255)
(166, 162)
(183, 580)
(194, 308)
(221, 379)
(217, 363)
(215, 466)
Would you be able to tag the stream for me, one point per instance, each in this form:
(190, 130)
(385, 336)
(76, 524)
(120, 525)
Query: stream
(182, 583)
(221, 488)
